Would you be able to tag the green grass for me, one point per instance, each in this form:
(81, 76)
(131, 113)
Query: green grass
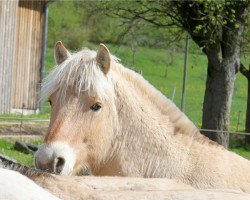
(244, 152)
(7, 148)
(239, 146)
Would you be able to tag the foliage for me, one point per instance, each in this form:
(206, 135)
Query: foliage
(65, 23)
(79, 22)
(204, 20)
(146, 23)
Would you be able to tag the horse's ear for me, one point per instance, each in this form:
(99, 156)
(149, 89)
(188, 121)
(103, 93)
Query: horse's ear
(103, 58)
(61, 53)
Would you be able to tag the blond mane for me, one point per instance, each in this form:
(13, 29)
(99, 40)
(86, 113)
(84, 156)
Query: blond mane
(79, 73)
(181, 123)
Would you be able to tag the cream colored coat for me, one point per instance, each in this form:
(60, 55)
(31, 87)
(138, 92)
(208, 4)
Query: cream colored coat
(15, 186)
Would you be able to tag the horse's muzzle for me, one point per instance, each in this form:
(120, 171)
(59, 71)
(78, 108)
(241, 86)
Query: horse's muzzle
(56, 158)
(54, 166)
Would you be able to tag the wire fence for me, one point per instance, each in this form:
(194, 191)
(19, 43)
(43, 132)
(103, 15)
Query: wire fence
(22, 119)
(220, 131)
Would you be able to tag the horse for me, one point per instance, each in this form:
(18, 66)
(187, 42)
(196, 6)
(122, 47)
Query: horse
(110, 120)
(15, 186)
(21, 182)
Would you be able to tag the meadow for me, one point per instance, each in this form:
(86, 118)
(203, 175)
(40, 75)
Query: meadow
(155, 66)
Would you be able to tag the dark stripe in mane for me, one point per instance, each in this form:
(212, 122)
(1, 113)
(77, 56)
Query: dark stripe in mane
(7, 163)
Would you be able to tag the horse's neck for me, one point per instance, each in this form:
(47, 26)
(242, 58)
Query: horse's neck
(147, 132)
(156, 140)
(146, 93)
(150, 109)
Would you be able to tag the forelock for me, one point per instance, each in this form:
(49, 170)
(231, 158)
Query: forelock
(80, 72)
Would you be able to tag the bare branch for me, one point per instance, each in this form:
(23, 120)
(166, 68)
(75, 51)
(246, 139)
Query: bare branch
(244, 71)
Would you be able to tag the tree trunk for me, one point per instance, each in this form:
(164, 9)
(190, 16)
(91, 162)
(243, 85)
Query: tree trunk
(221, 44)
(247, 124)
(223, 64)
(246, 73)
(218, 96)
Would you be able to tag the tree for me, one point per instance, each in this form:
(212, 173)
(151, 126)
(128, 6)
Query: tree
(246, 73)
(217, 28)
(220, 39)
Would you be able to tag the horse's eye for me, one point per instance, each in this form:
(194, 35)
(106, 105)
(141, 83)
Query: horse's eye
(49, 102)
(96, 107)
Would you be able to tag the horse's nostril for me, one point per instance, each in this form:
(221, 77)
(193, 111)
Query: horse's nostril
(59, 164)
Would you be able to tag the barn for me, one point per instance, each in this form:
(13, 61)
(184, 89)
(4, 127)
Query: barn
(23, 27)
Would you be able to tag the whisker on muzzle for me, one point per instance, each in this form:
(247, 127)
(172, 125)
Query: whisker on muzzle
(84, 170)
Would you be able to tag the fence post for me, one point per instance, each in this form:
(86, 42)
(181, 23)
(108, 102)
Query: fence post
(173, 95)
(238, 120)
(185, 74)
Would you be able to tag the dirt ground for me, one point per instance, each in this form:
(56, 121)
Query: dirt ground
(26, 129)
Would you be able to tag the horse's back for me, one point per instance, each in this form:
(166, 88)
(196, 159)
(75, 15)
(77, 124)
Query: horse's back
(127, 188)
(15, 186)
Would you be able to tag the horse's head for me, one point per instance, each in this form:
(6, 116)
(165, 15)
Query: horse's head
(83, 117)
